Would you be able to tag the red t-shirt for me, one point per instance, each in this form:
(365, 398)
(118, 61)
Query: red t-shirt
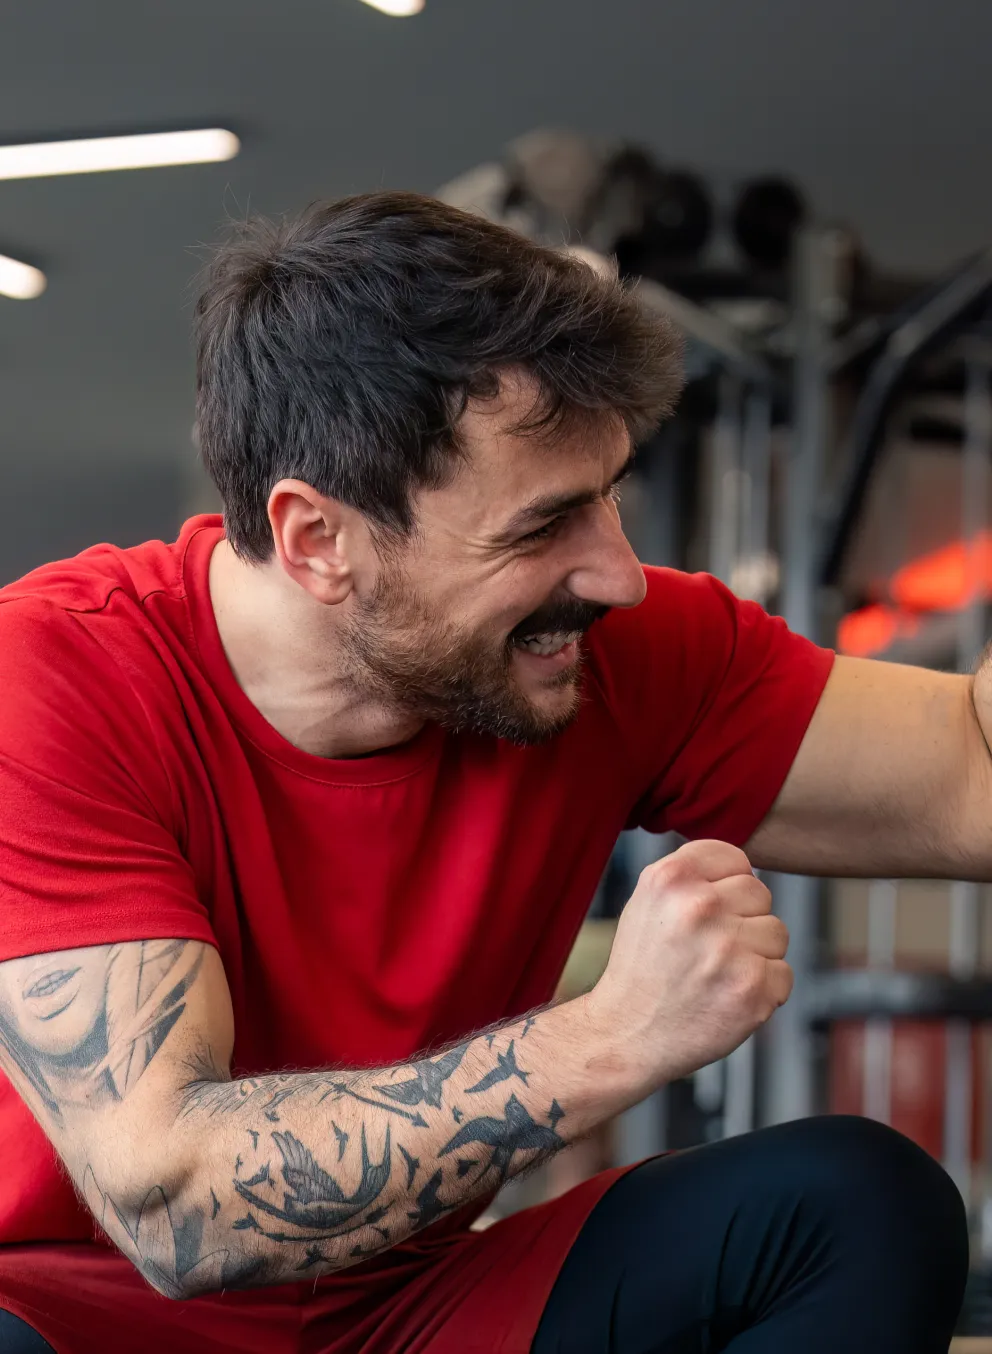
(363, 909)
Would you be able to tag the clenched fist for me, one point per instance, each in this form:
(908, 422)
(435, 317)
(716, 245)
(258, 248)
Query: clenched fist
(697, 965)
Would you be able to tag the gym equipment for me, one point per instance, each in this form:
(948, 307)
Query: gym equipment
(765, 219)
(677, 223)
(561, 188)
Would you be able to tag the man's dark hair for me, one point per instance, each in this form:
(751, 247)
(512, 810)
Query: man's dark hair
(341, 348)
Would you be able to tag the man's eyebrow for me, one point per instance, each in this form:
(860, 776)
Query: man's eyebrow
(550, 505)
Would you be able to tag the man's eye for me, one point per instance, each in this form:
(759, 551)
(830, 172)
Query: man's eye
(542, 533)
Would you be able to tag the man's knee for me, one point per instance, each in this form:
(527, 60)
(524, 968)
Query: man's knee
(876, 1185)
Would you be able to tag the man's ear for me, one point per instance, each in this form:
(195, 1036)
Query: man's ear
(317, 539)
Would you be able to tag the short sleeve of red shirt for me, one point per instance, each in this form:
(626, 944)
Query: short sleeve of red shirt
(87, 851)
(713, 697)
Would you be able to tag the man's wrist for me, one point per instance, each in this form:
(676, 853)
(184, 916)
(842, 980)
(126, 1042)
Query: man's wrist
(607, 1080)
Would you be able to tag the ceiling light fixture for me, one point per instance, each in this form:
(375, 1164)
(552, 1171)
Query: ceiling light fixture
(399, 9)
(98, 154)
(20, 280)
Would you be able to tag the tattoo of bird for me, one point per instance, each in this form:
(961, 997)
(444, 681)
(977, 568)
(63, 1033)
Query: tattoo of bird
(464, 1165)
(429, 1206)
(215, 1205)
(412, 1165)
(528, 1025)
(424, 1087)
(342, 1138)
(314, 1256)
(254, 1138)
(506, 1067)
(313, 1198)
(247, 1223)
(261, 1177)
(516, 1132)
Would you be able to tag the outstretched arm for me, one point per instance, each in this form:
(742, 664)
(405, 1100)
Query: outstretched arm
(893, 778)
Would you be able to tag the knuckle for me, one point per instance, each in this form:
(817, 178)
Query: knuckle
(702, 906)
(670, 870)
(760, 892)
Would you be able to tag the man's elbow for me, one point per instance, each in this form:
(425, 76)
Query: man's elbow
(161, 1234)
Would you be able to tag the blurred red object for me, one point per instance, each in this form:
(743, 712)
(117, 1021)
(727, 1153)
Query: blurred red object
(943, 580)
(917, 1080)
(872, 629)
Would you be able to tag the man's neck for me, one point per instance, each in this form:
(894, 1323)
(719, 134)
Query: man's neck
(283, 649)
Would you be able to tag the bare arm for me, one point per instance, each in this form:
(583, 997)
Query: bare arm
(122, 1051)
(893, 778)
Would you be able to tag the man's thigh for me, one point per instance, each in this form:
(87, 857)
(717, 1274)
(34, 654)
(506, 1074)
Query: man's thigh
(825, 1234)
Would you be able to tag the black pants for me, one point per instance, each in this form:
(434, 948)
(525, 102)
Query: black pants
(17, 1337)
(816, 1237)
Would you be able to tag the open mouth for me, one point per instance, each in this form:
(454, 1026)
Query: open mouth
(547, 645)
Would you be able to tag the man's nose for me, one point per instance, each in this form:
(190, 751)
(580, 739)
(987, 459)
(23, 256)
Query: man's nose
(606, 570)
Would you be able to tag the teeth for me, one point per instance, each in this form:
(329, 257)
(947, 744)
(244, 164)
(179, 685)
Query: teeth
(548, 644)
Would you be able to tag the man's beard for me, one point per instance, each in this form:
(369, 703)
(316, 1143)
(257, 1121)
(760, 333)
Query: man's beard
(405, 654)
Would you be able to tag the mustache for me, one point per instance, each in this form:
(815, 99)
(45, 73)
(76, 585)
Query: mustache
(560, 617)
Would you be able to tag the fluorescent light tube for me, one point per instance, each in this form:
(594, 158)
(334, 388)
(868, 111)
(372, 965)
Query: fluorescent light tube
(20, 280)
(399, 9)
(93, 155)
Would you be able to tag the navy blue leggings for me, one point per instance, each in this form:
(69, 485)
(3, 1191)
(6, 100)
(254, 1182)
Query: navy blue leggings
(17, 1337)
(815, 1237)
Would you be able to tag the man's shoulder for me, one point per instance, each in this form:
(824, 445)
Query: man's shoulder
(77, 631)
(86, 582)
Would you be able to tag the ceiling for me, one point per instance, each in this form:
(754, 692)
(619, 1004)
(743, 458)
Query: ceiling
(882, 108)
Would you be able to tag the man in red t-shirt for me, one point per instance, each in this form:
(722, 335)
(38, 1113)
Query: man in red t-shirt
(303, 811)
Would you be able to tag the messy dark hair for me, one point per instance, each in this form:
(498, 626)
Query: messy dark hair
(341, 348)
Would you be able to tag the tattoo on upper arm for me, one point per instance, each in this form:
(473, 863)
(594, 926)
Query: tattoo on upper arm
(81, 1026)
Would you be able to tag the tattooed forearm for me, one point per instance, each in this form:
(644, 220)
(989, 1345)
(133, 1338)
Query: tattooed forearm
(327, 1168)
(205, 1181)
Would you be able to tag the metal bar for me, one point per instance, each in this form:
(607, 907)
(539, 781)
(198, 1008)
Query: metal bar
(725, 479)
(789, 1083)
(750, 579)
(883, 902)
(739, 1090)
(859, 994)
(944, 309)
(976, 468)
(708, 329)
